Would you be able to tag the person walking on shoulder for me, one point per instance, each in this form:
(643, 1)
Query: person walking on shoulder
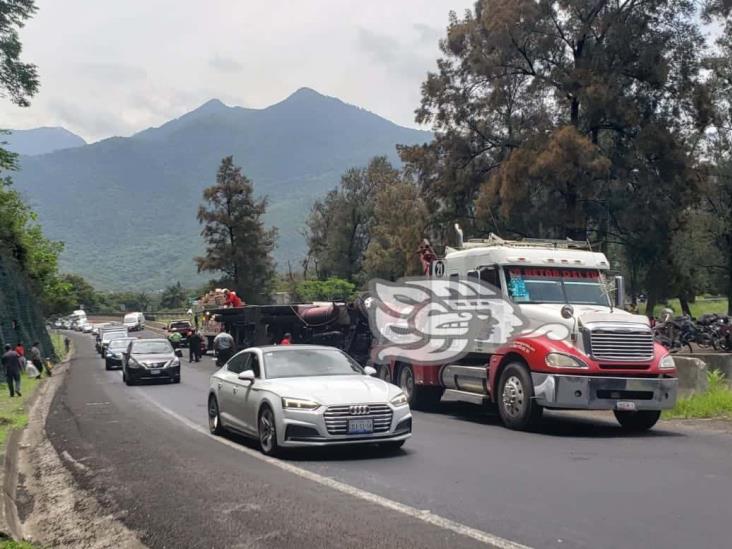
(20, 351)
(37, 359)
(11, 365)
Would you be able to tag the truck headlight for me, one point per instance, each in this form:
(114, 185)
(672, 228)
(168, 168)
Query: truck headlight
(560, 360)
(399, 400)
(299, 404)
(667, 363)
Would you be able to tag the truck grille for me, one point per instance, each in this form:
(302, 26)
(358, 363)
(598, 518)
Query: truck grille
(621, 345)
(336, 417)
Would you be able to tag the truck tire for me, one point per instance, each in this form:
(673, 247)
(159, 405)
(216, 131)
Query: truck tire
(418, 397)
(637, 421)
(515, 398)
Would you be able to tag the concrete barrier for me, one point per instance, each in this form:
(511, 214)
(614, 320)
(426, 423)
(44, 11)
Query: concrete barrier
(692, 370)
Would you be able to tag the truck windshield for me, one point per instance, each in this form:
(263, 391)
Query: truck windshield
(541, 285)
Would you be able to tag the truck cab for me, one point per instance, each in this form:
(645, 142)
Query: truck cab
(575, 348)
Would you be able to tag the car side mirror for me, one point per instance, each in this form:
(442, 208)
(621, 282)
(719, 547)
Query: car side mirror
(369, 371)
(179, 353)
(247, 375)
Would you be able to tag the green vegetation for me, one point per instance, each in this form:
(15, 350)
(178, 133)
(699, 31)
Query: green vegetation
(11, 544)
(716, 401)
(59, 349)
(238, 246)
(700, 306)
(332, 289)
(12, 410)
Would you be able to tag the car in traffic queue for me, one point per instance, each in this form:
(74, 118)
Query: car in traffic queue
(134, 322)
(306, 395)
(182, 327)
(151, 360)
(109, 335)
(115, 352)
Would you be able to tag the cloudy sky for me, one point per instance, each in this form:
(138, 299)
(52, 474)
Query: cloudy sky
(114, 67)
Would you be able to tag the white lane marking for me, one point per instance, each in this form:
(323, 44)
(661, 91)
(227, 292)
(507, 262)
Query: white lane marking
(419, 514)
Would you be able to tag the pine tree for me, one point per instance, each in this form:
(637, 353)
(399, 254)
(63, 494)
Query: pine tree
(237, 243)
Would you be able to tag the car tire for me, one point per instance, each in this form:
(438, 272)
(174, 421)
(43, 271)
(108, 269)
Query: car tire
(515, 397)
(267, 430)
(129, 382)
(419, 398)
(214, 417)
(106, 365)
(636, 422)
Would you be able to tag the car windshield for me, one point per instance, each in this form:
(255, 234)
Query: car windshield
(108, 336)
(540, 285)
(119, 344)
(309, 362)
(142, 347)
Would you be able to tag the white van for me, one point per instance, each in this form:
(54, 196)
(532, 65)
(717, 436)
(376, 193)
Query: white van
(134, 322)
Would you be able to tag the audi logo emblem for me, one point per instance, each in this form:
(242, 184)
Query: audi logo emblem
(359, 410)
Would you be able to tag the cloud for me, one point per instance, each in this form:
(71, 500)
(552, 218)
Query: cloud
(225, 64)
(114, 72)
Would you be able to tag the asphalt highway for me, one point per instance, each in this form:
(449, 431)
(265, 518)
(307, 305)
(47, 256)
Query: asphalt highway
(462, 480)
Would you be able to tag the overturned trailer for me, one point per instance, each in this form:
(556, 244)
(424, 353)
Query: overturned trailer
(341, 325)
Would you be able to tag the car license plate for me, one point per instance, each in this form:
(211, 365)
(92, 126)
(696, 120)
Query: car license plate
(625, 406)
(154, 372)
(360, 426)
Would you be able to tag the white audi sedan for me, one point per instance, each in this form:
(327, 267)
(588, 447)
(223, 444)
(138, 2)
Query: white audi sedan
(306, 395)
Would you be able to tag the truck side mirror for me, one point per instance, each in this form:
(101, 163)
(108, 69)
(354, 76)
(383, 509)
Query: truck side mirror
(619, 292)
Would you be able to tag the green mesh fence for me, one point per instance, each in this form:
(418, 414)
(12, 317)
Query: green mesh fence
(20, 316)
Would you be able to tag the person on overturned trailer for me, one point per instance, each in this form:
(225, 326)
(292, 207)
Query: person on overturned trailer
(306, 395)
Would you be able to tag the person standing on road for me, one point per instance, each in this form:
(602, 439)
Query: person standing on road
(194, 346)
(224, 347)
(11, 365)
(37, 360)
(67, 344)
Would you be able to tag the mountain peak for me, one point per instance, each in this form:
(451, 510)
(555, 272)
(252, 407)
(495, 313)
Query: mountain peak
(211, 106)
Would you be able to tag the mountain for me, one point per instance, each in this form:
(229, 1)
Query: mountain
(126, 207)
(40, 140)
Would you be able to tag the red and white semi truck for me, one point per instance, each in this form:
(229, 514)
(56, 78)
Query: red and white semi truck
(608, 361)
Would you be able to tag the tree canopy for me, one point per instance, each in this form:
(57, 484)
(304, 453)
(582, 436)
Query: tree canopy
(237, 243)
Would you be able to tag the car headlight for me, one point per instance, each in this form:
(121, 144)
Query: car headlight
(299, 404)
(132, 363)
(560, 360)
(399, 400)
(667, 363)
(174, 363)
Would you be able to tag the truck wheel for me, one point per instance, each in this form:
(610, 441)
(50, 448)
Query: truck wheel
(419, 398)
(637, 421)
(515, 397)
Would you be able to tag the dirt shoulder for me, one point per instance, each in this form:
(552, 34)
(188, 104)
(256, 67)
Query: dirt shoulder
(54, 511)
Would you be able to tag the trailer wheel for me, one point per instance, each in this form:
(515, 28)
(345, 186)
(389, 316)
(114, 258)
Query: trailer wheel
(637, 421)
(516, 404)
(419, 398)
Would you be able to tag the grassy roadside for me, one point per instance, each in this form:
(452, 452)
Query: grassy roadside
(701, 306)
(10, 544)
(13, 414)
(715, 402)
